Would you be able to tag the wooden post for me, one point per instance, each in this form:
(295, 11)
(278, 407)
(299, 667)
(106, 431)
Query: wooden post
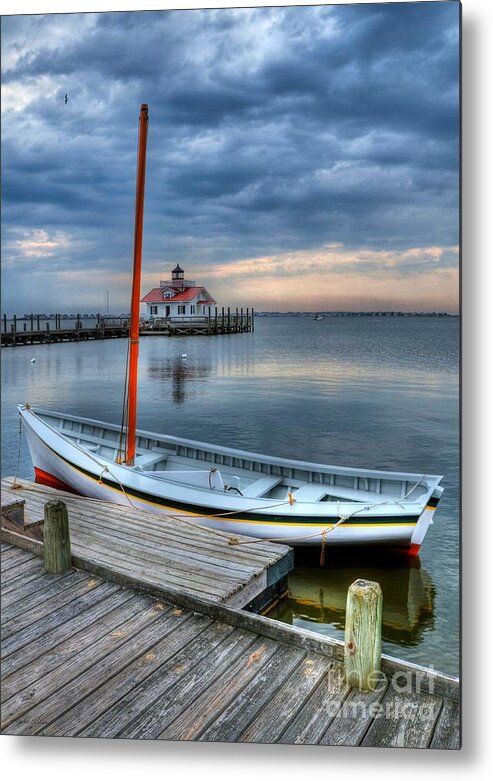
(78, 322)
(241, 319)
(56, 537)
(215, 319)
(363, 634)
(222, 319)
(5, 324)
(15, 323)
(253, 319)
(229, 320)
(37, 323)
(32, 322)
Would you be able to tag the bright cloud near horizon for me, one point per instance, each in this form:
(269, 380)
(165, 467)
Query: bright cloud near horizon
(299, 158)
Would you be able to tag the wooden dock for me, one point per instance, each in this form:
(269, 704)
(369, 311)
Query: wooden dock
(216, 323)
(160, 551)
(97, 652)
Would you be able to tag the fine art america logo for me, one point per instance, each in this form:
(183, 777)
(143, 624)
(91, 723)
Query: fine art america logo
(369, 705)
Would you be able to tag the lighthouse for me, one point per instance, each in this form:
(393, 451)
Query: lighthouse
(178, 298)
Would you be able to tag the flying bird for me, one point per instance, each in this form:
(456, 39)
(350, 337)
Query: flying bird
(66, 99)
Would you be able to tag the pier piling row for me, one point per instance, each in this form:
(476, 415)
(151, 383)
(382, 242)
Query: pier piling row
(215, 323)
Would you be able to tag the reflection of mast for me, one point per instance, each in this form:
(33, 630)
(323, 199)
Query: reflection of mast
(181, 374)
(135, 305)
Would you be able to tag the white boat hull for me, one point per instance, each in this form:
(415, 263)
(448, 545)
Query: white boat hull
(63, 459)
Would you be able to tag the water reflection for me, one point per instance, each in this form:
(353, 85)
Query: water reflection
(182, 374)
(317, 598)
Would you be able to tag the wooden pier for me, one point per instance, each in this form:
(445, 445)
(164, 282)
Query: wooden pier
(218, 322)
(104, 652)
(158, 551)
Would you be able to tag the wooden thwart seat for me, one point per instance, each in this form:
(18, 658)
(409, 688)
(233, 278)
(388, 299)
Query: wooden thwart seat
(261, 486)
(310, 493)
(149, 459)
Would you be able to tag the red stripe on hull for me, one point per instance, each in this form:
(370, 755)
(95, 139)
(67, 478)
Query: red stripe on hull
(44, 478)
(412, 551)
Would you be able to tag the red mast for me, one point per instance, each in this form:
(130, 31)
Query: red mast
(135, 304)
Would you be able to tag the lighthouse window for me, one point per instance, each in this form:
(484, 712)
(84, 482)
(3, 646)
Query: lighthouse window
(181, 309)
(192, 309)
(153, 310)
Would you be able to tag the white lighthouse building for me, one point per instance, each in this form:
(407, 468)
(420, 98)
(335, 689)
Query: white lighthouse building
(178, 298)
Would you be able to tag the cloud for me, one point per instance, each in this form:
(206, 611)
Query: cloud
(273, 132)
(40, 245)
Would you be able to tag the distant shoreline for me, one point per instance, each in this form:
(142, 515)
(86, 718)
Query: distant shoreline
(316, 313)
(383, 313)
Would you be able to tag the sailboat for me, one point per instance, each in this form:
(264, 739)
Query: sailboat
(239, 492)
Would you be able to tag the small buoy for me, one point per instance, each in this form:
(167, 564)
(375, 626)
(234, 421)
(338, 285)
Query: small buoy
(33, 360)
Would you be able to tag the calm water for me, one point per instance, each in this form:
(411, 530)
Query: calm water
(379, 393)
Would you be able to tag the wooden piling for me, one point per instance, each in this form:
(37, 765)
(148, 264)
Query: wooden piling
(15, 323)
(5, 324)
(363, 635)
(56, 549)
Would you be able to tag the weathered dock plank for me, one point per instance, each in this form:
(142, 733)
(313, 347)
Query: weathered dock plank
(37, 628)
(352, 719)
(73, 633)
(134, 703)
(407, 720)
(23, 671)
(48, 697)
(312, 720)
(163, 654)
(447, 729)
(169, 552)
(22, 603)
(286, 700)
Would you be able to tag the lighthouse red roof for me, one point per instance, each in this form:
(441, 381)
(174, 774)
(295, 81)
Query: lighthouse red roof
(156, 295)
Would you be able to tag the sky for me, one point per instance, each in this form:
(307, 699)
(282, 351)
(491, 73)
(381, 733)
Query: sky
(299, 158)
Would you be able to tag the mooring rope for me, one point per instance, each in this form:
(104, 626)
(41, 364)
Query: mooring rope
(16, 485)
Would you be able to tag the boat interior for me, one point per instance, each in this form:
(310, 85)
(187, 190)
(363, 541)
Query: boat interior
(248, 474)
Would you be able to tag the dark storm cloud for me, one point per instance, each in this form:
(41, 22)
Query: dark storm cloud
(272, 130)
